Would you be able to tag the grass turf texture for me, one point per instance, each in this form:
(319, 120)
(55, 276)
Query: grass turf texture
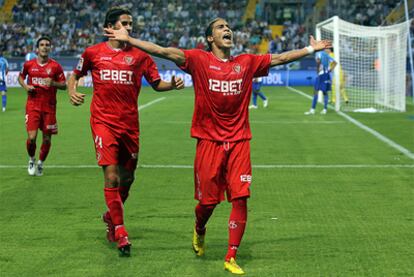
(303, 221)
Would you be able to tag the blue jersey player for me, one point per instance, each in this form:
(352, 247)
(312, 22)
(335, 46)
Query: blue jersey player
(257, 84)
(324, 65)
(4, 69)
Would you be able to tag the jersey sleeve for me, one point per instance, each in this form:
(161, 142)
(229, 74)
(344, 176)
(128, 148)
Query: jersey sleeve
(84, 64)
(24, 71)
(151, 71)
(190, 59)
(261, 64)
(60, 75)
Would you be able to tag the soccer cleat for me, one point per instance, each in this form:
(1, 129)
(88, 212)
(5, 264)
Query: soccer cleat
(233, 267)
(324, 111)
(110, 228)
(3, 109)
(124, 246)
(39, 169)
(198, 243)
(31, 169)
(253, 107)
(265, 103)
(310, 112)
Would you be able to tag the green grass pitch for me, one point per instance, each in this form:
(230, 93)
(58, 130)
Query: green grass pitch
(333, 200)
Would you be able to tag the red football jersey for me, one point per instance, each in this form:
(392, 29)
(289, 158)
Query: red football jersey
(43, 98)
(116, 77)
(222, 93)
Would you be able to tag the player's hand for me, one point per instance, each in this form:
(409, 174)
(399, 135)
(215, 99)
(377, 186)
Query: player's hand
(320, 44)
(77, 98)
(119, 34)
(30, 88)
(177, 83)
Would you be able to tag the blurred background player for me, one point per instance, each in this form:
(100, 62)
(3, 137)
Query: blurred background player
(4, 69)
(117, 71)
(341, 81)
(324, 66)
(45, 76)
(30, 55)
(257, 84)
(222, 163)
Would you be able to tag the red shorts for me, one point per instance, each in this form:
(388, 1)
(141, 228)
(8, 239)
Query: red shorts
(115, 147)
(44, 121)
(222, 167)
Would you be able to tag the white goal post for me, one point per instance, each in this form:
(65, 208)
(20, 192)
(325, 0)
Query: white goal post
(373, 64)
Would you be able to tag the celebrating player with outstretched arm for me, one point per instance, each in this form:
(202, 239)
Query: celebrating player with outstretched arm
(117, 70)
(222, 85)
(45, 77)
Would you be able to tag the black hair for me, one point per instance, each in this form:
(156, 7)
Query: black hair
(113, 14)
(209, 30)
(43, 38)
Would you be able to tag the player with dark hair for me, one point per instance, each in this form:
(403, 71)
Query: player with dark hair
(222, 85)
(45, 76)
(117, 70)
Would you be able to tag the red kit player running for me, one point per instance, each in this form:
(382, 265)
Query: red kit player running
(223, 86)
(117, 70)
(45, 76)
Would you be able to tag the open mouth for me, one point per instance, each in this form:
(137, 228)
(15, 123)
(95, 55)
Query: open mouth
(227, 37)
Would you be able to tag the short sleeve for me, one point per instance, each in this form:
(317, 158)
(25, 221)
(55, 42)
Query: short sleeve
(24, 71)
(151, 71)
(84, 64)
(261, 64)
(190, 59)
(60, 75)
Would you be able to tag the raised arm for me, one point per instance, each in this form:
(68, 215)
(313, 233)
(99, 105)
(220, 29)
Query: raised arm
(290, 56)
(169, 53)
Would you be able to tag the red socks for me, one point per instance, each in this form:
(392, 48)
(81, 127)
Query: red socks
(237, 224)
(31, 147)
(44, 151)
(114, 204)
(203, 213)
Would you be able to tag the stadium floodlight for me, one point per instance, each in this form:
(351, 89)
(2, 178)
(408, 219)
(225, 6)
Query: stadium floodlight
(373, 60)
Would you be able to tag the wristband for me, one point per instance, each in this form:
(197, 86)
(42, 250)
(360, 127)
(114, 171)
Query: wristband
(310, 49)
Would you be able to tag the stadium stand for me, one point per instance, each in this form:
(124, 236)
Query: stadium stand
(267, 26)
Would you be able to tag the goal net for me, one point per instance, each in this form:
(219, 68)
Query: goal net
(371, 70)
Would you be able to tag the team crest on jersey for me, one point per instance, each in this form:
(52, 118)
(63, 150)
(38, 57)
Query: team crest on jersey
(128, 59)
(48, 70)
(237, 68)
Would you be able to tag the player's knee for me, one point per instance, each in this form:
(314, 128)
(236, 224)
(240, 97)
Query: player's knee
(112, 180)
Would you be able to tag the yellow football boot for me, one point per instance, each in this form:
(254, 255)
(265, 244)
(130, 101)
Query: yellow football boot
(233, 267)
(198, 243)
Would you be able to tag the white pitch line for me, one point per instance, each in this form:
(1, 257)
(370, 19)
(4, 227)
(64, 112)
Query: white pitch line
(376, 134)
(150, 103)
(263, 166)
(271, 122)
